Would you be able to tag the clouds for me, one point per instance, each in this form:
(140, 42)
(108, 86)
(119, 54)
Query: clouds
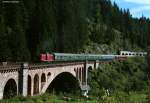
(136, 7)
(144, 5)
(144, 2)
(140, 9)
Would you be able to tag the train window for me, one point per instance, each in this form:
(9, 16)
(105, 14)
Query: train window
(126, 54)
(122, 53)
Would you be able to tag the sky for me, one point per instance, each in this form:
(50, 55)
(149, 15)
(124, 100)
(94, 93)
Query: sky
(137, 7)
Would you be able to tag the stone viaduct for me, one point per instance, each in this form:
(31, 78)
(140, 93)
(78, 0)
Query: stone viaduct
(30, 80)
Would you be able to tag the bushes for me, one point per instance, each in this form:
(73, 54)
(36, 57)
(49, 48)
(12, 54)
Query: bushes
(124, 76)
(49, 98)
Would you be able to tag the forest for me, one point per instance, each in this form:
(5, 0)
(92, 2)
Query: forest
(29, 28)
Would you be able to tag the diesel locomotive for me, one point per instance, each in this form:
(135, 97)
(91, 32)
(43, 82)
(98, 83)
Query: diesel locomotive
(79, 57)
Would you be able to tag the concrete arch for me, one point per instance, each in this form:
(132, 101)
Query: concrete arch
(83, 74)
(80, 74)
(77, 73)
(75, 70)
(90, 68)
(64, 82)
(49, 74)
(29, 85)
(43, 80)
(10, 89)
(36, 85)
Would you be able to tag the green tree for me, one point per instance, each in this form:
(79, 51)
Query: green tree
(15, 24)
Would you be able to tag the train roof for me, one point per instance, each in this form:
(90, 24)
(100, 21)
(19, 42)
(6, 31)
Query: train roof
(133, 52)
(67, 54)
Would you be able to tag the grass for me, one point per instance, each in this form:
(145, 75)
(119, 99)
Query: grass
(46, 98)
(119, 97)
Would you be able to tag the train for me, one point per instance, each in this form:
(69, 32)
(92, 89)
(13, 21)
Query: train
(133, 54)
(122, 55)
(79, 57)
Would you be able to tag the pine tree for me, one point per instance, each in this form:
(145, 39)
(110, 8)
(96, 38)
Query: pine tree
(5, 53)
(15, 32)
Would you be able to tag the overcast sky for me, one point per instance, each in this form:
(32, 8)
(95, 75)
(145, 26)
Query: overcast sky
(136, 7)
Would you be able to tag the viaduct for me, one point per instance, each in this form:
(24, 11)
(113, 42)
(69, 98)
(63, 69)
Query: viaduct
(31, 80)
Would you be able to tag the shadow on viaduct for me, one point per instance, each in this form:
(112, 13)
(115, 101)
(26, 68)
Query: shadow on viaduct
(31, 80)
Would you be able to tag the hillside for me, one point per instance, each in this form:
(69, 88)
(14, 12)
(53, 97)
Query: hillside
(29, 28)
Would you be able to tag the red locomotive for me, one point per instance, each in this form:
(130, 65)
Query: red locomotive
(46, 57)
